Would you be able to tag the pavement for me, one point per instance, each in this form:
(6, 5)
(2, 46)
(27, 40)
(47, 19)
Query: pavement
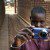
(11, 25)
(4, 42)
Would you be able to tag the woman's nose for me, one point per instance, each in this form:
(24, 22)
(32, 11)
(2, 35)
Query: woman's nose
(40, 24)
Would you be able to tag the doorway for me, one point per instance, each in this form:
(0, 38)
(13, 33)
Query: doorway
(10, 7)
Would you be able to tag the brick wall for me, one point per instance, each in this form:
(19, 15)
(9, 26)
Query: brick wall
(25, 7)
(47, 7)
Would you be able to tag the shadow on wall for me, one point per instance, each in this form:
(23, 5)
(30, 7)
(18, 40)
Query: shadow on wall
(2, 12)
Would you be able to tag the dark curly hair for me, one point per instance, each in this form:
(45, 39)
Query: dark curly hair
(38, 9)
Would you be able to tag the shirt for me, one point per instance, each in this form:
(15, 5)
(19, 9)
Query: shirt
(36, 44)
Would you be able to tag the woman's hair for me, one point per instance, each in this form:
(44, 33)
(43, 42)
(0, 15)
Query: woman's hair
(38, 9)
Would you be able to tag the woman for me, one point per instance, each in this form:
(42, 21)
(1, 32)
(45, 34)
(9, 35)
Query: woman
(38, 16)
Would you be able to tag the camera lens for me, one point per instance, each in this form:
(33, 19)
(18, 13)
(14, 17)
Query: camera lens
(42, 34)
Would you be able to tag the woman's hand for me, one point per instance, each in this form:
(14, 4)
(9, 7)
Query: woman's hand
(23, 37)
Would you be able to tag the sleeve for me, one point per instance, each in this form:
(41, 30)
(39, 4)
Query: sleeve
(23, 47)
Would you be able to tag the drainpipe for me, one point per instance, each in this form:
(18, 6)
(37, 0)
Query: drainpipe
(15, 6)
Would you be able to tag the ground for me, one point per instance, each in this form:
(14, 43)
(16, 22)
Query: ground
(11, 25)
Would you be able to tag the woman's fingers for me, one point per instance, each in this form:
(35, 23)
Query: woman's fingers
(20, 39)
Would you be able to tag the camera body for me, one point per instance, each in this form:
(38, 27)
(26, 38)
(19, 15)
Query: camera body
(40, 33)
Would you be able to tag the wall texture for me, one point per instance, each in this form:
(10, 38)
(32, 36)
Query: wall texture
(25, 7)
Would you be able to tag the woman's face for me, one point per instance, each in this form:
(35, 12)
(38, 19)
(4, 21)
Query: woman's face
(39, 20)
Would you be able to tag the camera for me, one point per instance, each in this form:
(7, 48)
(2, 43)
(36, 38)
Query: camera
(40, 33)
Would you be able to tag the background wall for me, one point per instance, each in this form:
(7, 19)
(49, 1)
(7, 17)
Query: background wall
(25, 7)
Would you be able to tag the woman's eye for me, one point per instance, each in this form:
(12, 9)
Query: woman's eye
(42, 22)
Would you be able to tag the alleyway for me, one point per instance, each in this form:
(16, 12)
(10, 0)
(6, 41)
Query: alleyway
(11, 25)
